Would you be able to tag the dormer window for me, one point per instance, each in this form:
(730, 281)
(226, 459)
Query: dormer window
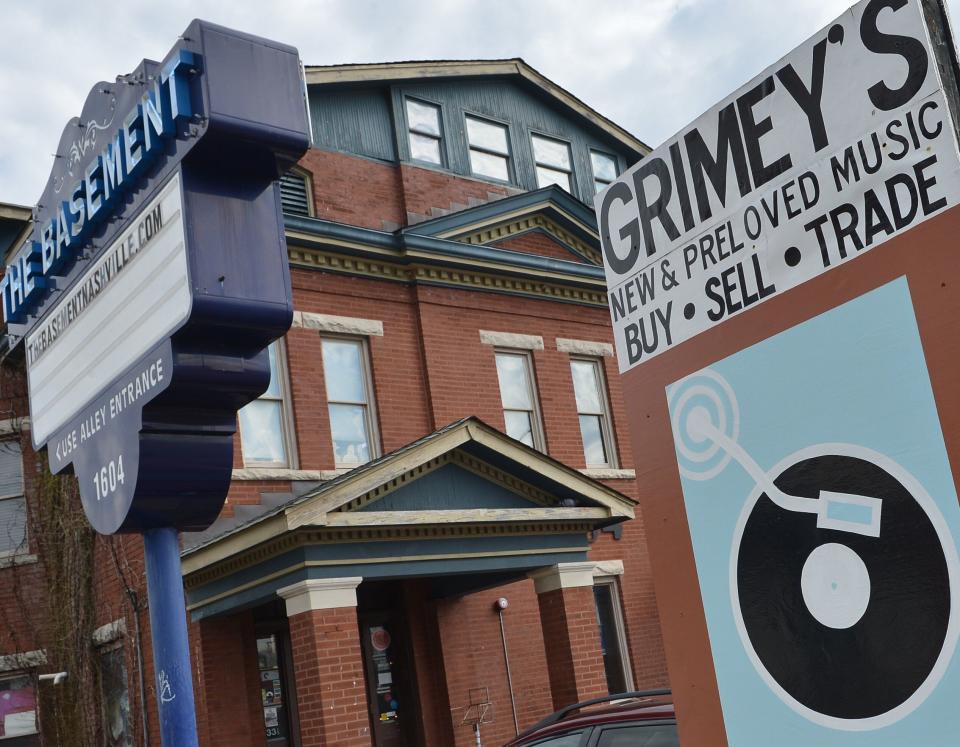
(423, 123)
(552, 159)
(604, 169)
(489, 149)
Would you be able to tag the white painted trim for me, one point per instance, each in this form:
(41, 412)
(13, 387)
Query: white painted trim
(320, 594)
(606, 473)
(511, 340)
(584, 347)
(14, 425)
(461, 516)
(282, 473)
(16, 558)
(607, 568)
(563, 576)
(343, 325)
(110, 632)
(25, 660)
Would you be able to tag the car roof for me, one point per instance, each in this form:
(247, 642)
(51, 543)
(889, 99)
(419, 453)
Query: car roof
(629, 709)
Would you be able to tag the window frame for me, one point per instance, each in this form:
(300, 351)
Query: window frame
(441, 138)
(288, 434)
(24, 547)
(108, 648)
(606, 417)
(593, 173)
(613, 582)
(536, 414)
(16, 674)
(571, 178)
(373, 430)
(509, 155)
(307, 186)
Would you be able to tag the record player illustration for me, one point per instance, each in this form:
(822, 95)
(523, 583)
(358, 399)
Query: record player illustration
(837, 562)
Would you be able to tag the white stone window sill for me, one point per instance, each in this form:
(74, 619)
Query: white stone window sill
(605, 473)
(8, 561)
(278, 473)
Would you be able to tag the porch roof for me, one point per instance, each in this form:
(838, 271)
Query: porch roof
(465, 499)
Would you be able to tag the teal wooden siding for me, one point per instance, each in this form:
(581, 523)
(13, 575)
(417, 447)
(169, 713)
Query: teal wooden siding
(525, 114)
(356, 120)
(372, 122)
(449, 488)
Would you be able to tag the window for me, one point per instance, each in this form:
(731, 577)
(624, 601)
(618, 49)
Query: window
(265, 427)
(641, 735)
(489, 149)
(604, 169)
(521, 414)
(570, 739)
(552, 158)
(595, 430)
(613, 639)
(13, 506)
(423, 123)
(18, 707)
(115, 701)
(346, 371)
(275, 702)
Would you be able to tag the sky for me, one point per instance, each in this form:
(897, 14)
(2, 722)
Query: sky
(652, 66)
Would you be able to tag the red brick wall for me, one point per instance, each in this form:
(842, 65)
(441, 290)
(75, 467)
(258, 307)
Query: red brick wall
(354, 190)
(426, 189)
(569, 620)
(328, 671)
(473, 658)
(230, 691)
(538, 242)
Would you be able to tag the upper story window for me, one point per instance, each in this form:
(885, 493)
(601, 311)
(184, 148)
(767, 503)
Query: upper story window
(489, 148)
(552, 158)
(604, 169)
(521, 411)
(13, 505)
(423, 123)
(346, 371)
(18, 708)
(594, 414)
(266, 432)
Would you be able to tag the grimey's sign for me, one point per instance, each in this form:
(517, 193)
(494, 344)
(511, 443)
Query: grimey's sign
(156, 275)
(845, 142)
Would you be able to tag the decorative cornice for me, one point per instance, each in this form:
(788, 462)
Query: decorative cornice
(326, 536)
(329, 261)
(526, 225)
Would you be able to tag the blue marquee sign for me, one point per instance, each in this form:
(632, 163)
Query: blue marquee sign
(156, 276)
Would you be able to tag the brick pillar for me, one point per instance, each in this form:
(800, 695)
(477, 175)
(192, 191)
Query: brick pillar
(571, 636)
(327, 662)
(231, 682)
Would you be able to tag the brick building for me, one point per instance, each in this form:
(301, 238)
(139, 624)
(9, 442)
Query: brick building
(444, 428)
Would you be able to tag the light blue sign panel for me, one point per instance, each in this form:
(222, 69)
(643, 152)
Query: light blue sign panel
(824, 521)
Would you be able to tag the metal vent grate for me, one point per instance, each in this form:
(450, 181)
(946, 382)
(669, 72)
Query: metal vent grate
(293, 194)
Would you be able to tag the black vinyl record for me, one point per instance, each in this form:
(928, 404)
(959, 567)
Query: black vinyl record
(877, 663)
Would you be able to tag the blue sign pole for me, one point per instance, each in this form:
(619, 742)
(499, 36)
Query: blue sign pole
(168, 631)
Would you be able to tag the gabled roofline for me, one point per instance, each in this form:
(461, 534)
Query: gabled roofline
(313, 507)
(9, 211)
(419, 70)
(578, 213)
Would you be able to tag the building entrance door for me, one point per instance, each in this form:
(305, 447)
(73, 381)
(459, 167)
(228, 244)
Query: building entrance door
(390, 679)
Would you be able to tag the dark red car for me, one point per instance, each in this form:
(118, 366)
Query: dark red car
(637, 719)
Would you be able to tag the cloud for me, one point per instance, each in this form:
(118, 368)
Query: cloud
(651, 66)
